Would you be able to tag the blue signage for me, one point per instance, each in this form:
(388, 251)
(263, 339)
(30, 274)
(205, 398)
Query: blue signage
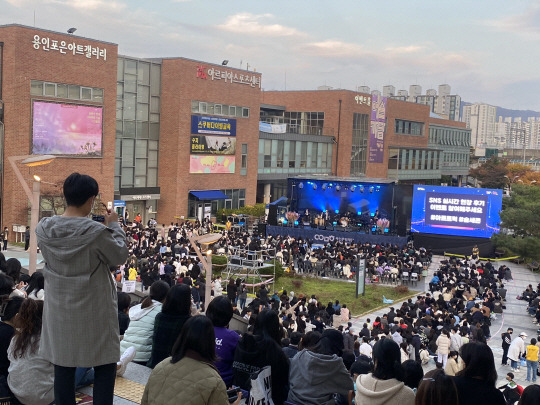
(119, 203)
(213, 125)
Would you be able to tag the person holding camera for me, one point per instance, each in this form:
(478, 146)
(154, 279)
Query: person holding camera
(80, 315)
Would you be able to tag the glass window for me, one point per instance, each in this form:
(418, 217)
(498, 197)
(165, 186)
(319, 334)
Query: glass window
(86, 93)
(211, 108)
(119, 91)
(127, 177)
(143, 93)
(142, 112)
(129, 106)
(303, 154)
(224, 110)
(128, 149)
(280, 150)
(292, 154)
(129, 129)
(130, 66)
(154, 131)
(142, 130)
(119, 109)
(245, 112)
(97, 94)
(118, 151)
(118, 130)
(232, 111)
(217, 109)
(140, 167)
(267, 153)
(62, 91)
(74, 92)
(120, 70)
(314, 148)
(153, 145)
(203, 107)
(194, 106)
(143, 73)
(141, 147)
(155, 79)
(130, 83)
(151, 178)
(154, 117)
(50, 89)
(140, 181)
(152, 158)
(154, 104)
(36, 88)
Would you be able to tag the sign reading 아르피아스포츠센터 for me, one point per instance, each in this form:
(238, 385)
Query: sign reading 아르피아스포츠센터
(377, 130)
(229, 76)
(213, 145)
(203, 125)
(68, 47)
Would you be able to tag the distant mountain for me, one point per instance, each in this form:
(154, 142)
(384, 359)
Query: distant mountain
(507, 112)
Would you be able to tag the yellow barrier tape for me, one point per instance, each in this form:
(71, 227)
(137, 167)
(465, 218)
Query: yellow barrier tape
(484, 258)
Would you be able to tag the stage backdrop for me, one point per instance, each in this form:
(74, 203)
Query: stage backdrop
(341, 197)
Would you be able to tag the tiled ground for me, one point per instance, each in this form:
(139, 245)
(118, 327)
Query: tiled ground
(514, 316)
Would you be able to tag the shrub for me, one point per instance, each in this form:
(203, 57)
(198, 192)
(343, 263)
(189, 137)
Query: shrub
(219, 263)
(270, 270)
(401, 289)
(297, 284)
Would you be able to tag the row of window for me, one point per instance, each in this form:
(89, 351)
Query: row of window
(449, 136)
(414, 159)
(236, 198)
(66, 91)
(359, 147)
(403, 127)
(203, 107)
(294, 154)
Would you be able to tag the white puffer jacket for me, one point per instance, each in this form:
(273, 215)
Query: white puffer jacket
(140, 331)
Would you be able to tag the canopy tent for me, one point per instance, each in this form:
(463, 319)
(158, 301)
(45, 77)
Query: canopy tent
(279, 201)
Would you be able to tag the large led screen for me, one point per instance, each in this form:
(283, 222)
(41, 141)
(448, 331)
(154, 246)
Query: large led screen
(66, 129)
(456, 211)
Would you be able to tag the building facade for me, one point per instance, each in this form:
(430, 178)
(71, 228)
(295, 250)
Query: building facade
(480, 119)
(67, 112)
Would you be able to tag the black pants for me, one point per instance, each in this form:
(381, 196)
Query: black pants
(26, 243)
(64, 384)
(505, 354)
(5, 244)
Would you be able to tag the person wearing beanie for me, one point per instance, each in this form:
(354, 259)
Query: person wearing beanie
(384, 386)
(316, 375)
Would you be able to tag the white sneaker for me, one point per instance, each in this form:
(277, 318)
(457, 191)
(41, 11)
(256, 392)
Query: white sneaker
(125, 358)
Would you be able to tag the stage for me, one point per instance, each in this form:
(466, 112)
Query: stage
(320, 236)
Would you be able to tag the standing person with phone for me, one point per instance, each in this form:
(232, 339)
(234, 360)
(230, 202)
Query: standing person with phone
(80, 316)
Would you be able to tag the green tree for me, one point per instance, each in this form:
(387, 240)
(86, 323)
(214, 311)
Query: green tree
(520, 222)
(491, 174)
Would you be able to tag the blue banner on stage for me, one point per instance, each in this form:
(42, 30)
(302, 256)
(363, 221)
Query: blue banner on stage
(323, 236)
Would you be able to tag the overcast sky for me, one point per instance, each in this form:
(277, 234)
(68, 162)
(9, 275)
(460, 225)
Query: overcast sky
(487, 50)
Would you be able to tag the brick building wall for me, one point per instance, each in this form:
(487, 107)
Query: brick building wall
(23, 63)
(179, 86)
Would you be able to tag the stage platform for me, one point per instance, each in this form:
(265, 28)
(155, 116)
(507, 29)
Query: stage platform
(324, 236)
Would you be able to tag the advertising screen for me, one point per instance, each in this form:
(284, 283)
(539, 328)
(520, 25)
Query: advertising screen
(66, 129)
(456, 211)
(215, 145)
(211, 164)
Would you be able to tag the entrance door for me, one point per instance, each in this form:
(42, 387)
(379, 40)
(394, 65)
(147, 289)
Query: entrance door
(200, 211)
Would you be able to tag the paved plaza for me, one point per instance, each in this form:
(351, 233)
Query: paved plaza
(514, 316)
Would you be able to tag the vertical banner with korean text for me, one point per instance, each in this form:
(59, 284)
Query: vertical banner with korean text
(361, 278)
(378, 129)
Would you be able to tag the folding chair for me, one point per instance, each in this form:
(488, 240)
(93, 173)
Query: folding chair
(405, 277)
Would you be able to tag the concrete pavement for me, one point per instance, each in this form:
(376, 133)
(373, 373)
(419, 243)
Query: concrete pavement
(514, 316)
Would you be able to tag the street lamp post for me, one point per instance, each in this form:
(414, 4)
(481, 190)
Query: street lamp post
(205, 240)
(33, 197)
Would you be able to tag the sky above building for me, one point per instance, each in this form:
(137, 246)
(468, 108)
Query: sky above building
(486, 50)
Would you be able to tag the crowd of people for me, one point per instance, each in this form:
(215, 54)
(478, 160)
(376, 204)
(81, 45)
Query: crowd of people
(60, 329)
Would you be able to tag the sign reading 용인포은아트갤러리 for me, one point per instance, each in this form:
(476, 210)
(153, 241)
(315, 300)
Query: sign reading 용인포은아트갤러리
(203, 125)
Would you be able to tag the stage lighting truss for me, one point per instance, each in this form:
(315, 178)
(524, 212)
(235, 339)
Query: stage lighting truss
(338, 187)
(300, 185)
(371, 189)
(324, 186)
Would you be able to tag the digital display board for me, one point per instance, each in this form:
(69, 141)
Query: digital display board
(66, 129)
(456, 211)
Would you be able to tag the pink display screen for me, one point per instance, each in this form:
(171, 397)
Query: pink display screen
(66, 129)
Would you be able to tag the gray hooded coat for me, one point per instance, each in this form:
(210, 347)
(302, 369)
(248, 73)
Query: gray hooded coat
(80, 314)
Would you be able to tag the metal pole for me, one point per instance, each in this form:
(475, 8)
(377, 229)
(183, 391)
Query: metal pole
(34, 218)
(208, 286)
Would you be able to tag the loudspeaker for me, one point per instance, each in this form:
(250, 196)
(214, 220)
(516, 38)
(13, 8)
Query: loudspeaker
(261, 229)
(272, 215)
